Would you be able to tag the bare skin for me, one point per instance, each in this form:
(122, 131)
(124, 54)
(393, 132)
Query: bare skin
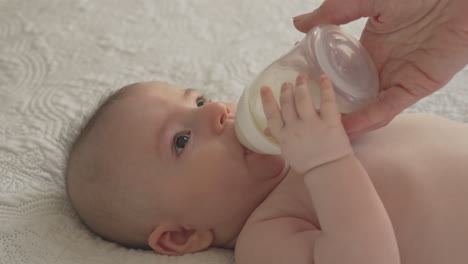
(418, 166)
(395, 195)
(417, 46)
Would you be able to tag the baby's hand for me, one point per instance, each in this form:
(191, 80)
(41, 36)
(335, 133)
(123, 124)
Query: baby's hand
(308, 139)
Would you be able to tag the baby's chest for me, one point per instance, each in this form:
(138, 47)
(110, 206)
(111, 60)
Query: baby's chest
(430, 220)
(426, 197)
(430, 223)
(290, 199)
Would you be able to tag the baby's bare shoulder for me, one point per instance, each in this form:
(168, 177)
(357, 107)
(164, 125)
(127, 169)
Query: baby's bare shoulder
(421, 131)
(424, 119)
(421, 122)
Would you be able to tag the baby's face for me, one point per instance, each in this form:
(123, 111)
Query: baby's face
(172, 146)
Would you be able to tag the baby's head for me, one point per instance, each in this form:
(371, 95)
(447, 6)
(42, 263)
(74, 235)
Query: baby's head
(160, 167)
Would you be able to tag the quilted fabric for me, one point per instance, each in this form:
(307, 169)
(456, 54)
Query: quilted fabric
(60, 58)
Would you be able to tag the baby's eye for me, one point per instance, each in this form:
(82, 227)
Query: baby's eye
(180, 141)
(202, 100)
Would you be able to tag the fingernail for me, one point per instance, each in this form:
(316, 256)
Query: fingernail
(298, 18)
(300, 79)
(264, 91)
(323, 78)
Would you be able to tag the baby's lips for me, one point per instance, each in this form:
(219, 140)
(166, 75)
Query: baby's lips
(247, 151)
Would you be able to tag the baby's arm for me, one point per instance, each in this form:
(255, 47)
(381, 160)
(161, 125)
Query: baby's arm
(355, 227)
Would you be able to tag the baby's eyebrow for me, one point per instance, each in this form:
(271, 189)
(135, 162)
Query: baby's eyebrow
(190, 91)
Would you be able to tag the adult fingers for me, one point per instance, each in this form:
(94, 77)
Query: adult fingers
(379, 112)
(336, 12)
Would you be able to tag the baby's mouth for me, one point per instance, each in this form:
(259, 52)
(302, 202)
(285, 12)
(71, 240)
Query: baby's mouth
(247, 151)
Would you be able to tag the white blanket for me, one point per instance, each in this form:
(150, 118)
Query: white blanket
(58, 58)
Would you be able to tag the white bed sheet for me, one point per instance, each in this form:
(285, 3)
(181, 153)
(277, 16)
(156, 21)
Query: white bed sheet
(59, 57)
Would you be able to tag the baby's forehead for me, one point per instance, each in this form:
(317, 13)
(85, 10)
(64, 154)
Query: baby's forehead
(133, 100)
(153, 89)
(135, 112)
(137, 95)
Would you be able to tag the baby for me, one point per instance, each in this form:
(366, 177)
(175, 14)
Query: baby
(160, 167)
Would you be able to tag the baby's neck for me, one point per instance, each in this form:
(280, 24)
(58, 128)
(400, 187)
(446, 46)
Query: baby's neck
(271, 184)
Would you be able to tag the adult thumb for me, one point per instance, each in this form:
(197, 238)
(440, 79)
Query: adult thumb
(336, 12)
(379, 112)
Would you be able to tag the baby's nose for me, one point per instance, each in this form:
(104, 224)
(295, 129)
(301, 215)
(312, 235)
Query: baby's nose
(232, 108)
(219, 113)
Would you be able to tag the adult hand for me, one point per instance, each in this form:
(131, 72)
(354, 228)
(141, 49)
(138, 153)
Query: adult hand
(417, 47)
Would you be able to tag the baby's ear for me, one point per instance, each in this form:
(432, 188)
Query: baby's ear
(171, 239)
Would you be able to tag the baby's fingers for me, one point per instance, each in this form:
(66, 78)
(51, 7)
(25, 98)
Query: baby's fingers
(328, 106)
(288, 104)
(304, 102)
(271, 109)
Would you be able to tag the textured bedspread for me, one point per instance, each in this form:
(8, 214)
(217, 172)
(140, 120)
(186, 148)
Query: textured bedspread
(58, 58)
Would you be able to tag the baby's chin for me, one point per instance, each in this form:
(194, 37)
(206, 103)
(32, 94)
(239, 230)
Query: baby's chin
(266, 167)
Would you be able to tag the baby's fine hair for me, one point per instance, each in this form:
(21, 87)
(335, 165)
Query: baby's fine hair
(87, 171)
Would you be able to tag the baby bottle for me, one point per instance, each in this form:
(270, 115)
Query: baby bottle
(326, 49)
